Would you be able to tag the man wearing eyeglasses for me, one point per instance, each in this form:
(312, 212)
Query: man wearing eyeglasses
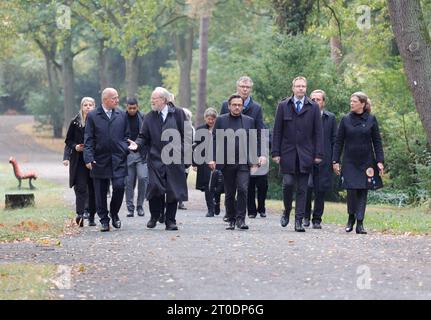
(244, 87)
(136, 162)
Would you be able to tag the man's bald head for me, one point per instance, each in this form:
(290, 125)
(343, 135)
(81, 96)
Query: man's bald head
(110, 98)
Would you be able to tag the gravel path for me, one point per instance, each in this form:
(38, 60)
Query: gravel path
(204, 261)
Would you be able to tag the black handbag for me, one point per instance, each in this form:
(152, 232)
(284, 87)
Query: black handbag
(374, 180)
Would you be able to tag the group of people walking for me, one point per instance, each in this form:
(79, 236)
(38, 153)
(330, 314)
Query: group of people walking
(107, 146)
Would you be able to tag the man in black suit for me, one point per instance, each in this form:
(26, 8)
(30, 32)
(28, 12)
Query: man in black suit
(232, 138)
(297, 145)
(105, 154)
(322, 173)
(244, 87)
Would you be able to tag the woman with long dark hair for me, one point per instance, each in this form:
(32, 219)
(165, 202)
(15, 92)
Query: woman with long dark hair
(358, 138)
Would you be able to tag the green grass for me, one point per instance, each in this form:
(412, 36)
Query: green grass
(25, 281)
(380, 218)
(47, 219)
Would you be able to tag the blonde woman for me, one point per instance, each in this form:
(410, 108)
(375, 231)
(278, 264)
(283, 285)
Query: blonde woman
(79, 175)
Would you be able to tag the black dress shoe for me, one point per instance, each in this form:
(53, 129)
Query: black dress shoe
(116, 223)
(80, 220)
(252, 215)
(91, 221)
(350, 223)
(241, 225)
(162, 218)
(360, 227)
(141, 212)
(181, 206)
(171, 227)
(231, 225)
(217, 209)
(262, 215)
(298, 226)
(284, 221)
(152, 223)
(130, 214)
(225, 218)
(209, 214)
(105, 227)
(316, 225)
(86, 214)
(306, 222)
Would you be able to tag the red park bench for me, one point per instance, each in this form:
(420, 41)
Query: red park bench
(30, 175)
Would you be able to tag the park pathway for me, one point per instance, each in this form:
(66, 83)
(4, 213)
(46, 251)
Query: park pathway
(204, 261)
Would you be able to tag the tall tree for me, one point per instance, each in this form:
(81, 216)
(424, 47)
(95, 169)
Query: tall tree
(414, 44)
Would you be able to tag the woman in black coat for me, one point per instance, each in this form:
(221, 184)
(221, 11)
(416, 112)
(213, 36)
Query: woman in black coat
(359, 136)
(79, 175)
(203, 171)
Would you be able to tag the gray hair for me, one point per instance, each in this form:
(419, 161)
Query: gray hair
(163, 93)
(211, 112)
(106, 91)
(244, 79)
(323, 93)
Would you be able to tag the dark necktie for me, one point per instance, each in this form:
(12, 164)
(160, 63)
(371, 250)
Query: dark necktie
(161, 118)
(298, 106)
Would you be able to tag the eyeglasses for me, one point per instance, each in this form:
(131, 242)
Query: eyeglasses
(245, 87)
(236, 105)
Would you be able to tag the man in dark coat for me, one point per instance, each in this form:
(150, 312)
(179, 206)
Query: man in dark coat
(235, 164)
(105, 154)
(297, 145)
(322, 173)
(167, 182)
(136, 162)
(244, 87)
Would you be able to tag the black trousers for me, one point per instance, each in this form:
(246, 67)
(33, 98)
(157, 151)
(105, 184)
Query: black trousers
(261, 184)
(319, 205)
(101, 187)
(357, 202)
(158, 205)
(84, 191)
(209, 199)
(301, 182)
(236, 179)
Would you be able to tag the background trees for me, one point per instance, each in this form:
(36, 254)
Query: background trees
(381, 47)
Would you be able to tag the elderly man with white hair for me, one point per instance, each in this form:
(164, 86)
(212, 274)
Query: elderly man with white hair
(167, 182)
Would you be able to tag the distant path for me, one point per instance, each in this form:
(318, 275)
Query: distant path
(204, 261)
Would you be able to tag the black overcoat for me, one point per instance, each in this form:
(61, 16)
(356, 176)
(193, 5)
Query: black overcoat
(105, 142)
(323, 173)
(254, 111)
(359, 140)
(164, 178)
(297, 133)
(203, 171)
(74, 136)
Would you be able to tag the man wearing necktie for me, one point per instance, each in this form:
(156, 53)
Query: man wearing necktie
(105, 154)
(166, 180)
(297, 144)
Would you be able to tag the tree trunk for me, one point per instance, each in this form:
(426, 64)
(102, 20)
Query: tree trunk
(336, 50)
(68, 81)
(101, 53)
(414, 44)
(132, 70)
(184, 51)
(203, 66)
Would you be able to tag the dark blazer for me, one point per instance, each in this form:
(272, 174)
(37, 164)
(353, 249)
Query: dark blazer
(323, 173)
(203, 171)
(254, 111)
(297, 133)
(222, 122)
(359, 137)
(74, 136)
(106, 143)
(142, 151)
(163, 178)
